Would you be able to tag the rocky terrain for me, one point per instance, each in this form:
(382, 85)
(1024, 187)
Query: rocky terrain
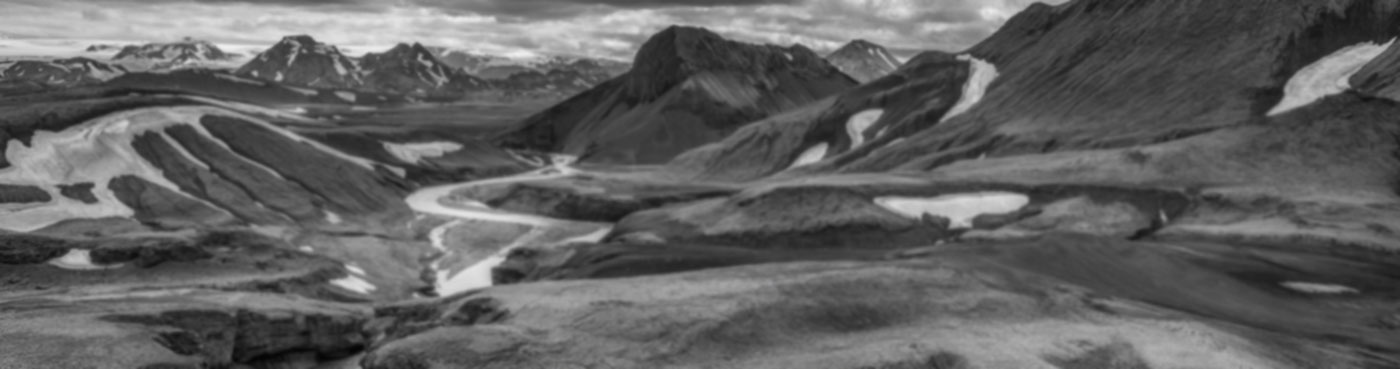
(1101, 184)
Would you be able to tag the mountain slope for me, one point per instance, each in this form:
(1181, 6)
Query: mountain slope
(864, 61)
(1082, 75)
(687, 87)
(193, 166)
(413, 69)
(302, 61)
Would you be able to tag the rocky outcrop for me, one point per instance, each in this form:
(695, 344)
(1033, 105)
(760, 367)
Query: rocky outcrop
(702, 86)
(864, 61)
(185, 329)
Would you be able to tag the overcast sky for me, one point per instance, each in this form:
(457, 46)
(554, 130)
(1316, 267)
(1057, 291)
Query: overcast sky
(604, 28)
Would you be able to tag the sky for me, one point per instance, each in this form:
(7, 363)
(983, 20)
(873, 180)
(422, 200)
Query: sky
(598, 28)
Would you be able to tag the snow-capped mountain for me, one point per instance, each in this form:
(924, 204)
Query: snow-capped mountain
(102, 48)
(183, 54)
(501, 67)
(59, 73)
(301, 60)
(864, 61)
(413, 69)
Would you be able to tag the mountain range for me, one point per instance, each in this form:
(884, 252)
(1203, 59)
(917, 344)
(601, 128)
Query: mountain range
(1100, 184)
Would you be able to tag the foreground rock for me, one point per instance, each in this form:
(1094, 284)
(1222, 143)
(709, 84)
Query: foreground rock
(1101, 304)
(177, 329)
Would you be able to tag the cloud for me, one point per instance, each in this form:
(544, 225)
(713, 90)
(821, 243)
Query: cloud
(96, 15)
(553, 9)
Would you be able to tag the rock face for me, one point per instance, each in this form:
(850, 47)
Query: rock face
(187, 53)
(687, 87)
(302, 61)
(413, 69)
(864, 61)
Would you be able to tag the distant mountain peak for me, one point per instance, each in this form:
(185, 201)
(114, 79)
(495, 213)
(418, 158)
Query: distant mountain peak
(679, 52)
(864, 60)
(182, 51)
(299, 40)
(414, 69)
(301, 60)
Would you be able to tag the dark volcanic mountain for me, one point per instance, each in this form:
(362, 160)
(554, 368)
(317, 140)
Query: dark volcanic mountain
(302, 61)
(687, 87)
(864, 61)
(413, 69)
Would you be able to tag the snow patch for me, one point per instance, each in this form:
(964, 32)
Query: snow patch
(302, 91)
(859, 123)
(1328, 76)
(340, 67)
(812, 155)
(588, 238)
(414, 153)
(983, 73)
(79, 259)
(1319, 288)
(355, 269)
(355, 283)
(889, 59)
(346, 95)
(333, 218)
(959, 208)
